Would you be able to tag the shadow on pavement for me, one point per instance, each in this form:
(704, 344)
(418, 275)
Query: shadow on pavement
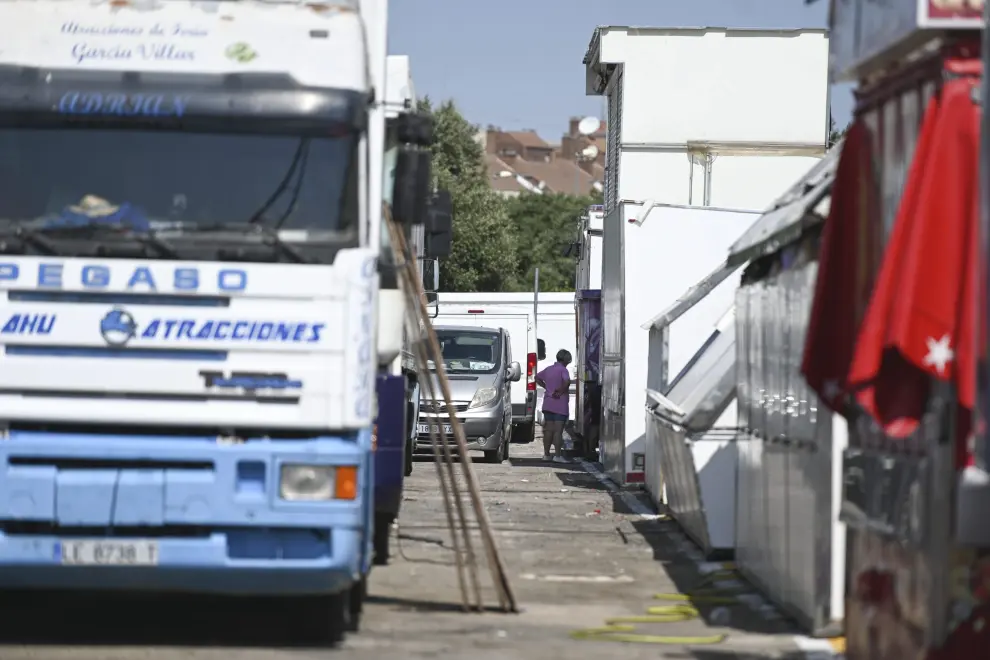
(86, 619)
(666, 540)
(417, 605)
(539, 462)
(715, 654)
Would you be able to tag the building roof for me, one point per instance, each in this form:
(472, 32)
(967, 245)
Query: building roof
(559, 176)
(528, 139)
(499, 183)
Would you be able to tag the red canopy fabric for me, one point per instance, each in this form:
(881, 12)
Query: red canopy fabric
(849, 254)
(921, 320)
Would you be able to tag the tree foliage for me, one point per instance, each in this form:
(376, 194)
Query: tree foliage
(483, 255)
(545, 226)
(834, 134)
(498, 243)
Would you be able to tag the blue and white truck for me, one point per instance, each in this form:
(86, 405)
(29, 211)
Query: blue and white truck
(190, 230)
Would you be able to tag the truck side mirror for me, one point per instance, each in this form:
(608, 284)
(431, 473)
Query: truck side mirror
(414, 128)
(433, 303)
(431, 274)
(541, 349)
(440, 225)
(413, 177)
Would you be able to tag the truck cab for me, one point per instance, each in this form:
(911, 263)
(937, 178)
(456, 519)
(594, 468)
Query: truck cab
(188, 292)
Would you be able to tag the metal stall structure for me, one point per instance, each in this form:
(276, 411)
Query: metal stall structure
(788, 540)
(918, 568)
(690, 436)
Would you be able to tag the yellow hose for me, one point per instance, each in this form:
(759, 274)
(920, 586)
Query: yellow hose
(621, 629)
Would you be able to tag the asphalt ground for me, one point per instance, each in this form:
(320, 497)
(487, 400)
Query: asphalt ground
(577, 553)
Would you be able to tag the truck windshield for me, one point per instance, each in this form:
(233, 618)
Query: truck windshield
(182, 177)
(470, 352)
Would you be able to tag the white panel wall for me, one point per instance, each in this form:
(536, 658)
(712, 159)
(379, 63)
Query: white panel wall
(756, 103)
(721, 85)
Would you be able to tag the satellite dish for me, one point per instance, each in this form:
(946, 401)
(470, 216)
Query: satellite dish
(589, 125)
(590, 152)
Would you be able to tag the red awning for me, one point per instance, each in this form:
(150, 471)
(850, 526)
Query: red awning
(848, 259)
(921, 322)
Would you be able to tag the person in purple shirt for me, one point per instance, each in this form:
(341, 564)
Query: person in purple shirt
(556, 381)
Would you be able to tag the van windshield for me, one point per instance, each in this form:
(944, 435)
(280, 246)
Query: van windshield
(470, 352)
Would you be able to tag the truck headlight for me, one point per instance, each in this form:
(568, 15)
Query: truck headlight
(310, 483)
(485, 396)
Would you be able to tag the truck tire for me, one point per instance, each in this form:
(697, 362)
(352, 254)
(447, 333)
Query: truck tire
(355, 604)
(321, 620)
(410, 448)
(383, 539)
(522, 433)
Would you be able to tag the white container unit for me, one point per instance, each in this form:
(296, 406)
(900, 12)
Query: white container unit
(589, 264)
(710, 124)
(645, 268)
(690, 450)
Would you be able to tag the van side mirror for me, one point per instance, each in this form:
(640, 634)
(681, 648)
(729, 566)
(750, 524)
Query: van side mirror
(413, 178)
(514, 372)
(541, 349)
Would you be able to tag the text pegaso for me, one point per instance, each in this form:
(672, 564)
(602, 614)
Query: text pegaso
(97, 277)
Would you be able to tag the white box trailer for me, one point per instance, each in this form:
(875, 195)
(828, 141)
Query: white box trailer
(589, 264)
(551, 320)
(646, 266)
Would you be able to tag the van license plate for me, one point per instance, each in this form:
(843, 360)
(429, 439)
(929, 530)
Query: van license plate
(107, 553)
(424, 429)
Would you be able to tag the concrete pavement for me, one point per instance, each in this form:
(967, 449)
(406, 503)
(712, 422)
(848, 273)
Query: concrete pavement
(576, 552)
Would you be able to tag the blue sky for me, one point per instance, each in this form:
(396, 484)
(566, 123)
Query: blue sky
(517, 63)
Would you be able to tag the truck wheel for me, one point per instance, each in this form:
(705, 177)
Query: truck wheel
(321, 620)
(382, 541)
(356, 596)
(410, 448)
(522, 433)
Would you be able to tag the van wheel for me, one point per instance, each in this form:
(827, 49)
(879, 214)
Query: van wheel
(522, 433)
(498, 455)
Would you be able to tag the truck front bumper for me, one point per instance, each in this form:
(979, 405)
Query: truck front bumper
(213, 512)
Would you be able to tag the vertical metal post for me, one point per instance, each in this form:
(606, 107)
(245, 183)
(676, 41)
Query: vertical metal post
(536, 295)
(983, 379)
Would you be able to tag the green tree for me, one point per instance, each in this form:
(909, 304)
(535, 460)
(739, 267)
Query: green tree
(834, 135)
(483, 254)
(545, 225)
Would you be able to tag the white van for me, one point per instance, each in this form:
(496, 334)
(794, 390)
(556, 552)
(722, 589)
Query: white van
(525, 347)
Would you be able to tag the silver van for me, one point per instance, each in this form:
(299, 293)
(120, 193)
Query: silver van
(480, 369)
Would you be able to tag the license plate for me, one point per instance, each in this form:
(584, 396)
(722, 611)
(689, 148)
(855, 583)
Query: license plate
(107, 553)
(424, 429)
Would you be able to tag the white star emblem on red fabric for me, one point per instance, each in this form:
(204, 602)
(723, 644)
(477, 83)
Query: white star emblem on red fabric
(940, 353)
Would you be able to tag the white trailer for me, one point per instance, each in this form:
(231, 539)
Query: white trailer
(589, 263)
(707, 126)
